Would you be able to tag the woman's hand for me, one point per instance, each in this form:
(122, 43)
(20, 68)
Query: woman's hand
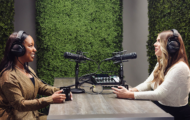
(133, 90)
(122, 92)
(58, 97)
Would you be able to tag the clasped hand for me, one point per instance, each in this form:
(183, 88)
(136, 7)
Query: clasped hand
(122, 92)
(60, 98)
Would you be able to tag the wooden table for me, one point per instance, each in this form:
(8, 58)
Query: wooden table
(104, 107)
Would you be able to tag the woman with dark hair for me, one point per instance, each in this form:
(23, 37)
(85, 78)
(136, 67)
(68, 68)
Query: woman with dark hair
(19, 84)
(169, 83)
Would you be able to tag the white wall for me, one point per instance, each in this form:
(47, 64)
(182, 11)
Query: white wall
(24, 19)
(135, 32)
(135, 35)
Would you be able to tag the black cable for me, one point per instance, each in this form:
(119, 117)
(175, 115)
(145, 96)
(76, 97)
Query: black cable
(22, 64)
(85, 81)
(91, 73)
(86, 75)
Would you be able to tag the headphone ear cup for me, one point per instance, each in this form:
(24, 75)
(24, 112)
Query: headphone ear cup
(172, 47)
(18, 50)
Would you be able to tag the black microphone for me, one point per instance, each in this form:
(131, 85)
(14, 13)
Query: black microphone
(75, 56)
(123, 57)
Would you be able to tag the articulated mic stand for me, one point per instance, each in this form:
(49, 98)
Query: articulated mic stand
(121, 75)
(76, 89)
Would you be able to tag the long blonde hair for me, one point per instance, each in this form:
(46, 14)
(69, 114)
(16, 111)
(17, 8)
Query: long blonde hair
(166, 61)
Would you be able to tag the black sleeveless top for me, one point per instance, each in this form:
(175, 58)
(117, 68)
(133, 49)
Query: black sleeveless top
(32, 79)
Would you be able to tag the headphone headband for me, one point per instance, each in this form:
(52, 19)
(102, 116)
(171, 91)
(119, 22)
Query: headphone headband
(19, 36)
(175, 32)
(17, 48)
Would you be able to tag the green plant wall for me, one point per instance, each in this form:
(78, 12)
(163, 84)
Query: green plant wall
(92, 26)
(166, 15)
(6, 22)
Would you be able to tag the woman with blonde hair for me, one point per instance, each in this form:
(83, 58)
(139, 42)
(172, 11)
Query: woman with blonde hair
(169, 83)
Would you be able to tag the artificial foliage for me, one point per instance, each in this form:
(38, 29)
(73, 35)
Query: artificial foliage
(92, 26)
(6, 22)
(166, 15)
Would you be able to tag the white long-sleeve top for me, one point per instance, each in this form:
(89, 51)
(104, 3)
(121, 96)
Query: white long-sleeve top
(173, 91)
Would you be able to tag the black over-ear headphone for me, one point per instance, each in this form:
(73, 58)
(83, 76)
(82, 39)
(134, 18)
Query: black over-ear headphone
(173, 44)
(17, 48)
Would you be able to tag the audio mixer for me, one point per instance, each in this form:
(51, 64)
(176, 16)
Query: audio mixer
(104, 79)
